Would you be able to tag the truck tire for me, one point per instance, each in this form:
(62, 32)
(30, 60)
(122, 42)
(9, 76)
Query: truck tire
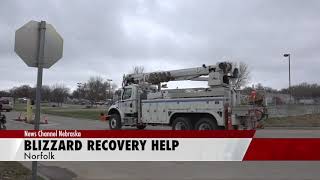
(206, 124)
(115, 121)
(141, 126)
(181, 123)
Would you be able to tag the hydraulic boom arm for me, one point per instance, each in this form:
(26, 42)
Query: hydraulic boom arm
(220, 72)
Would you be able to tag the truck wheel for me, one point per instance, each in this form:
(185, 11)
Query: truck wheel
(115, 121)
(141, 126)
(206, 124)
(181, 123)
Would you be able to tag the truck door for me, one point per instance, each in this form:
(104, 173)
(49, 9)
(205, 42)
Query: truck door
(128, 102)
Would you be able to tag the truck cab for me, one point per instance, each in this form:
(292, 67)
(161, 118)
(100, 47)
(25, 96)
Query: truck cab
(125, 107)
(128, 101)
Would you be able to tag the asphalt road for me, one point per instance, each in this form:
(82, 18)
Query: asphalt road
(291, 170)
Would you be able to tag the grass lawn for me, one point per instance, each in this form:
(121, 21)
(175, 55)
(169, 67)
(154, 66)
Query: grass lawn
(20, 107)
(14, 170)
(309, 120)
(75, 111)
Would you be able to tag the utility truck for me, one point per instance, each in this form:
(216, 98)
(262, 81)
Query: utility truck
(144, 100)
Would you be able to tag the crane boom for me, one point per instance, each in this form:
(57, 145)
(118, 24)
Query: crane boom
(218, 72)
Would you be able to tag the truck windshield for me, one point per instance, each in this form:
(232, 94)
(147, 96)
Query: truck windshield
(127, 93)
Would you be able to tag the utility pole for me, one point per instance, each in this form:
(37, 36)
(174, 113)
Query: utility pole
(109, 80)
(290, 90)
(79, 90)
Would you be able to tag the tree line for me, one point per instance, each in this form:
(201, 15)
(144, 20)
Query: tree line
(304, 90)
(97, 89)
(94, 90)
(301, 91)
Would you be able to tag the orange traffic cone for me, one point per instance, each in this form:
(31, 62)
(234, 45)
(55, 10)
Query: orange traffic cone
(230, 127)
(103, 117)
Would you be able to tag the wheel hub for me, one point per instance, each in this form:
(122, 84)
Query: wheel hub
(204, 126)
(180, 126)
(113, 123)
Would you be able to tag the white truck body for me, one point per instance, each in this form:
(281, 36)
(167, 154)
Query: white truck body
(161, 111)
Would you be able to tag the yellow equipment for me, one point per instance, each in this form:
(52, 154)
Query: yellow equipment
(29, 111)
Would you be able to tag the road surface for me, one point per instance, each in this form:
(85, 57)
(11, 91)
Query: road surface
(284, 170)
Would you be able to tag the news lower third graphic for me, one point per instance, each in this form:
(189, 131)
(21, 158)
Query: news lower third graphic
(103, 145)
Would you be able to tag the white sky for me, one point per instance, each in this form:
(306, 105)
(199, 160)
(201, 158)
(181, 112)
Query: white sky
(107, 38)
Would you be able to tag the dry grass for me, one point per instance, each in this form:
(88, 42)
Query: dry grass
(309, 120)
(14, 171)
(74, 111)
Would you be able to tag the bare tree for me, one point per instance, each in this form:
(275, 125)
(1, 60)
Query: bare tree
(244, 76)
(96, 89)
(59, 93)
(75, 94)
(46, 93)
(81, 91)
(22, 91)
(304, 90)
(5, 94)
(138, 69)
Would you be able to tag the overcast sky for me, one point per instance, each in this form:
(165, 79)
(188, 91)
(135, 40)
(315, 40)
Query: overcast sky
(109, 37)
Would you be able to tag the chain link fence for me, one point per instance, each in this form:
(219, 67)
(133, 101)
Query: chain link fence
(286, 110)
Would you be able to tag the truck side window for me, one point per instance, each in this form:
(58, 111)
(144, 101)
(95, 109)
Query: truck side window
(127, 93)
